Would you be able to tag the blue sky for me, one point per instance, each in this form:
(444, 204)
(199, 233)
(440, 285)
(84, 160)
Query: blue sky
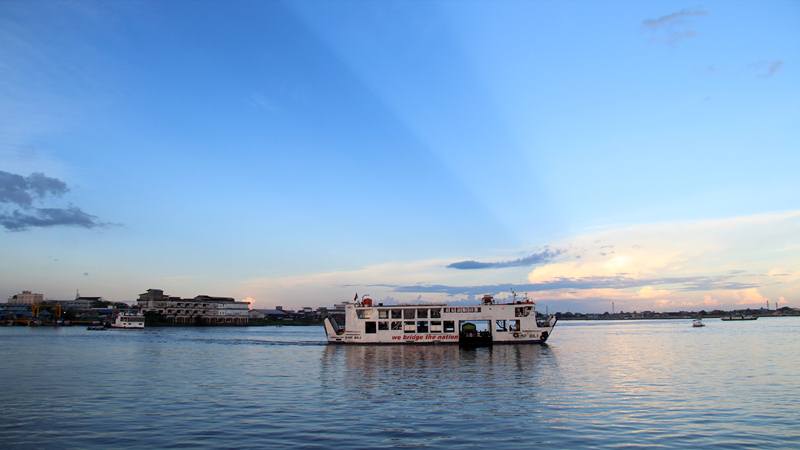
(294, 152)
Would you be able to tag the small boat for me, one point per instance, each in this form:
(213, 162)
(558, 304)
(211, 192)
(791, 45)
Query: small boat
(738, 317)
(697, 323)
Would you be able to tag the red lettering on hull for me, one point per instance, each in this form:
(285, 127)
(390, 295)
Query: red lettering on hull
(425, 337)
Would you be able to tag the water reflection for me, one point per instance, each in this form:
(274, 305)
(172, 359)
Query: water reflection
(404, 368)
(437, 388)
(370, 360)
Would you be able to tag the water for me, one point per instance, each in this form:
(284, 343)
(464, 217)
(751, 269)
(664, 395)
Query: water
(597, 384)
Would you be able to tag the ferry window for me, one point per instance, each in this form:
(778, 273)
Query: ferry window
(409, 327)
(383, 314)
(436, 313)
(449, 326)
(363, 314)
(422, 326)
(369, 327)
(408, 313)
(397, 314)
(422, 313)
(513, 325)
(500, 325)
(522, 311)
(436, 326)
(383, 326)
(397, 325)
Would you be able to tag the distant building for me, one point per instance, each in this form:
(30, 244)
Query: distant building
(11, 311)
(26, 298)
(82, 303)
(274, 314)
(201, 310)
(77, 304)
(337, 309)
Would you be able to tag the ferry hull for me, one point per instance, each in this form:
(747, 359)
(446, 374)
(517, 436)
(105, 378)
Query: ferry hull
(127, 327)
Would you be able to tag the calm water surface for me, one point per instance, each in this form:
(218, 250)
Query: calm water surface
(596, 384)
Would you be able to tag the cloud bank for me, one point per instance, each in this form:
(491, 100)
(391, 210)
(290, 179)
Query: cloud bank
(21, 191)
(19, 196)
(673, 27)
(767, 69)
(690, 283)
(48, 217)
(530, 260)
(673, 18)
(702, 264)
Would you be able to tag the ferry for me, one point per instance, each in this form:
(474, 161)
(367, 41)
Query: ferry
(485, 324)
(128, 319)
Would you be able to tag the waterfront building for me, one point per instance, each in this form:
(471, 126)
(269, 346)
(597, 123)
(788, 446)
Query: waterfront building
(201, 310)
(26, 298)
(274, 314)
(305, 313)
(337, 309)
(81, 303)
(11, 311)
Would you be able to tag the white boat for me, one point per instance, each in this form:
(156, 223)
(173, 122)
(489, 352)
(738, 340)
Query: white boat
(128, 319)
(485, 324)
(697, 323)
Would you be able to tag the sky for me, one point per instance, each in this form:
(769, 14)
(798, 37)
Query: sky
(296, 153)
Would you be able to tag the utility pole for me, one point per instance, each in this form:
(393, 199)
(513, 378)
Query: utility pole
(612, 308)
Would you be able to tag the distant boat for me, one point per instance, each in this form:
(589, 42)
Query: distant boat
(96, 328)
(739, 317)
(129, 320)
(697, 323)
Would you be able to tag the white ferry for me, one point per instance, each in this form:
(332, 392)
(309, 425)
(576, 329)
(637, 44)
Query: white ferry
(128, 319)
(489, 323)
